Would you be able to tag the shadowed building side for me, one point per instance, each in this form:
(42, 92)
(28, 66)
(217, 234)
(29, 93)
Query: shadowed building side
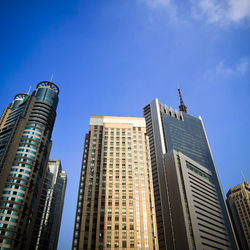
(196, 214)
(48, 220)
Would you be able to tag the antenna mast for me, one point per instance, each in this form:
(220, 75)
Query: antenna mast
(245, 181)
(29, 90)
(182, 106)
(51, 78)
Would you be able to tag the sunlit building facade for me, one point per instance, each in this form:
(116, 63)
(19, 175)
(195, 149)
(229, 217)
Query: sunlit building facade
(115, 208)
(25, 141)
(238, 201)
(190, 207)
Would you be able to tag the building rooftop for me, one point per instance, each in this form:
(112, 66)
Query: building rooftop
(134, 121)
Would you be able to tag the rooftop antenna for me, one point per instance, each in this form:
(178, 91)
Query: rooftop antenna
(51, 78)
(29, 90)
(182, 106)
(245, 181)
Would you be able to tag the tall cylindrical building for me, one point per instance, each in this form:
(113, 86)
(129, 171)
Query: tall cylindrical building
(25, 141)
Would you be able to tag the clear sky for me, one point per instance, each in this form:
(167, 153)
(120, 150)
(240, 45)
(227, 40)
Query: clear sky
(113, 57)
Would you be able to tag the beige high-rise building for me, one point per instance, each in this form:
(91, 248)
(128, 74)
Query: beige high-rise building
(238, 201)
(115, 207)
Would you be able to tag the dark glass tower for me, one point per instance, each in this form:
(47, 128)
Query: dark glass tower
(25, 142)
(190, 207)
(48, 219)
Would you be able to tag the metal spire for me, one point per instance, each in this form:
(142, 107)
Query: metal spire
(29, 90)
(51, 78)
(245, 182)
(182, 106)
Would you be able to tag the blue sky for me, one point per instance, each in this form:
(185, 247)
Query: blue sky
(113, 57)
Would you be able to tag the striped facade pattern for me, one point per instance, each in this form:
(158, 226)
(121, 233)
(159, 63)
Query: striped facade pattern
(115, 208)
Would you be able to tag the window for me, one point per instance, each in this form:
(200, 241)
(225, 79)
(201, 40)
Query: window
(116, 234)
(124, 243)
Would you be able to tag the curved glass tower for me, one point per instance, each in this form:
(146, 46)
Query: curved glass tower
(25, 142)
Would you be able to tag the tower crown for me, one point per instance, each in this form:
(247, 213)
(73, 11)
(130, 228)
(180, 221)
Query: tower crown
(20, 96)
(182, 106)
(48, 84)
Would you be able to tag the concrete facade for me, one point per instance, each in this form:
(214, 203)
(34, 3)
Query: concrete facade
(197, 219)
(115, 208)
(238, 202)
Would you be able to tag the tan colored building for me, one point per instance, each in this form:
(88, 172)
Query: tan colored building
(115, 207)
(238, 201)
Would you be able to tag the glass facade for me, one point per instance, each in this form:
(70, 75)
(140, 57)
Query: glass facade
(25, 140)
(47, 224)
(47, 95)
(187, 136)
(173, 131)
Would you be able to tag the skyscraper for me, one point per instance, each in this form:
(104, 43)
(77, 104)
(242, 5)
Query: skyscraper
(190, 207)
(25, 141)
(115, 207)
(238, 202)
(48, 219)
